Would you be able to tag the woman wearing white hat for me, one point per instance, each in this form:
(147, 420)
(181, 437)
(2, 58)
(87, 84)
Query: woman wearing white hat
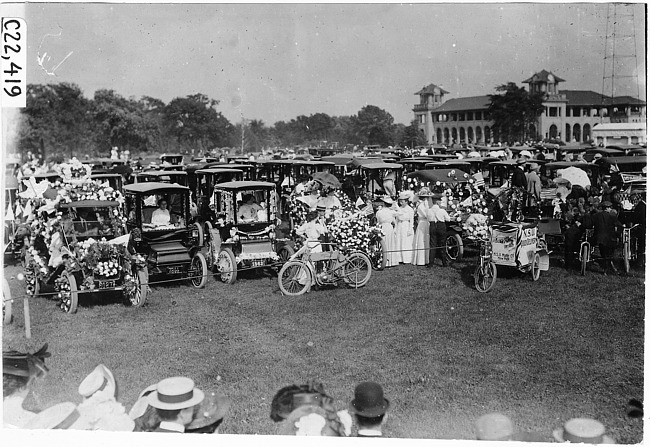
(386, 220)
(404, 229)
(421, 236)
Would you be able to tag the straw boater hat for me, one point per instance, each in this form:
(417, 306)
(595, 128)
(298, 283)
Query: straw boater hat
(101, 379)
(175, 393)
(582, 430)
(60, 416)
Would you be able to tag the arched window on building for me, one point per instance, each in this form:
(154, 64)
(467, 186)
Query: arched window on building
(470, 135)
(479, 134)
(552, 131)
(586, 132)
(488, 134)
(462, 135)
(567, 132)
(576, 133)
(438, 136)
(454, 135)
(446, 135)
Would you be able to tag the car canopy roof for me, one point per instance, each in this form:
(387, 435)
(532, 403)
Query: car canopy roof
(216, 170)
(383, 165)
(244, 185)
(149, 187)
(161, 173)
(439, 175)
(568, 164)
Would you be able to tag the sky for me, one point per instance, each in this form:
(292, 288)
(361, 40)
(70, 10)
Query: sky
(277, 61)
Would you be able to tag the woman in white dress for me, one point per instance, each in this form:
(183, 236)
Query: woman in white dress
(421, 236)
(404, 229)
(386, 220)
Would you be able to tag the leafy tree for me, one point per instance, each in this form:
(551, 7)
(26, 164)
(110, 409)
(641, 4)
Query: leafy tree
(319, 126)
(57, 121)
(373, 125)
(194, 122)
(411, 136)
(513, 109)
(123, 123)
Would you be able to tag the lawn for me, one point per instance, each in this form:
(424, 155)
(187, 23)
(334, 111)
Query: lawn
(565, 346)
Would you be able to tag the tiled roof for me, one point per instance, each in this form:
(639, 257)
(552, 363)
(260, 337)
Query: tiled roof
(541, 76)
(431, 89)
(589, 98)
(462, 104)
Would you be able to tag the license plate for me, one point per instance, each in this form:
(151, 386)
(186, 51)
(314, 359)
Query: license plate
(106, 284)
(173, 270)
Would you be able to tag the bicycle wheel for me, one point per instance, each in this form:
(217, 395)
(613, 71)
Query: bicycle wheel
(534, 267)
(626, 256)
(485, 276)
(453, 246)
(357, 270)
(294, 278)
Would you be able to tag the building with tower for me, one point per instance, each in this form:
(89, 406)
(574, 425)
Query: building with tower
(569, 115)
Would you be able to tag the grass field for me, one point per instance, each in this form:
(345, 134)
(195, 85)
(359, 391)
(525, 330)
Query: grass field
(565, 346)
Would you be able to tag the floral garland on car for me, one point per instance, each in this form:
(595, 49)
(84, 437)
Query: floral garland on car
(73, 171)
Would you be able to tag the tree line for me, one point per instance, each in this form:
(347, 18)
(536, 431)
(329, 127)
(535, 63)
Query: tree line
(60, 122)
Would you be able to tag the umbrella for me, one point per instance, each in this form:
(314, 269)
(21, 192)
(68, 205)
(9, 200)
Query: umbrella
(575, 176)
(525, 153)
(473, 154)
(327, 179)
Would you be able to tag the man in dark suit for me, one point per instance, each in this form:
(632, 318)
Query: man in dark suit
(606, 228)
(519, 176)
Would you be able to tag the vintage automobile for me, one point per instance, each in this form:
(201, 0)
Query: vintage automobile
(168, 241)
(103, 165)
(370, 175)
(635, 165)
(171, 159)
(82, 252)
(177, 177)
(115, 181)
(461, 165)
(203, 190)
(241, 229)
(249, 170)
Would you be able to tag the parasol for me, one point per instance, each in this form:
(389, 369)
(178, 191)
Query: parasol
(575, 176)
(473, 154)
(327, 179)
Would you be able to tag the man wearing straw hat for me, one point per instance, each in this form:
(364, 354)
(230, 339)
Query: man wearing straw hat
(175, 400)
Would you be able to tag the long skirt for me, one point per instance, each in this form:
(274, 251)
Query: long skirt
(404, 242)
(392, 257)
(421, 243)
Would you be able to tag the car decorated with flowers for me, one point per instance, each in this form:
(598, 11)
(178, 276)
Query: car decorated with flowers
(466, 201)
(241, 229)
(159, 223)
(80, 248)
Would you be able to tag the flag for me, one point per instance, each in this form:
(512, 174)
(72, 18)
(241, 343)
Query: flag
(359, 203)
(9, 215)
(479, 179)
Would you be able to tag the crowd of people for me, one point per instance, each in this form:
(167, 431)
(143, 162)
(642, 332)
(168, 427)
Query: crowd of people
(176, 405)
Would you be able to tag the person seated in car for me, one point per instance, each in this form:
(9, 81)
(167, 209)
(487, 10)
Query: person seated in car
(161, 216)
(248, 211)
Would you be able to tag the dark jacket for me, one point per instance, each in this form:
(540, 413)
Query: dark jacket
(519, 178)
(606, 225)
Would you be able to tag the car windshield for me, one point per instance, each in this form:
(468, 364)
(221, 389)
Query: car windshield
(251, 205)
(160, 210)
(90, 222)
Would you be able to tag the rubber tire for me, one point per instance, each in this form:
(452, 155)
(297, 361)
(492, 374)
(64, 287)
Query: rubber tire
(304, 287)
(285, 253)
(584, 255)
(201, 240)
(141, 278)
(362, 257)
(74, 294)
(227, 255)
(534, 267)
(478, 278)
(626, 257)
(199, 283)
(381, 265)
(207, 232)
(454, 240)
(7, 304)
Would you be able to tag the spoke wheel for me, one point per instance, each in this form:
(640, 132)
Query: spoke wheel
(584, 258)
(294, 278)
(201, 239)
(138, 296)
(626, 256)
(69, 293)
(285, 253)
(378, 255)
(199, 271)
(357, 270)
(534, 267)
(485, 276)
(7, 304)
(453, 246)
(227, 266)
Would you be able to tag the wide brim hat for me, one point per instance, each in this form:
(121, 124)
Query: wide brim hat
(140, 405)
(583, 430)
(387, 200)
(214, 407)
(369, 400)
(424, 192)
(534, 166)
(606, 204)
(521, 161)
(60, 416)
(307, 420)
(101, 378)
(404, 195)
(175, 393)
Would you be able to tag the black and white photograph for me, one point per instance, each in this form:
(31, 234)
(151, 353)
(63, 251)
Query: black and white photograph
(413, 221)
